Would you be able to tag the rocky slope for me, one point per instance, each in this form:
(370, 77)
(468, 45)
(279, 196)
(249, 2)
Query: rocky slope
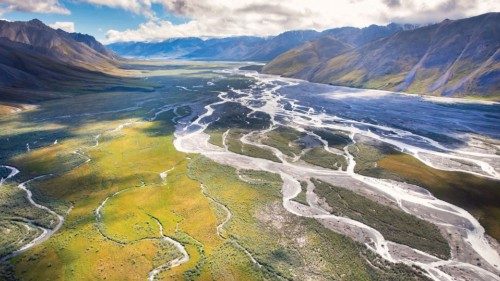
(281, 43)
(452, 58)
(76, 49)
(39, 63)
(303, 61)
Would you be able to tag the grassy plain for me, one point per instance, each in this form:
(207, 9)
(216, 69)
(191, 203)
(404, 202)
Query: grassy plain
(320, 157)
(104, 157)
(285, 139)
(395, 225)
(284, 245)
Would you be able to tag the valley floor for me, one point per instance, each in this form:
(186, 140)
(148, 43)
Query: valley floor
(222, 174)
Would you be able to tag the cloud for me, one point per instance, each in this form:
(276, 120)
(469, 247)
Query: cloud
(67, 26)
(263, 17)
(143, 7)
(392, 3)
(34, 6)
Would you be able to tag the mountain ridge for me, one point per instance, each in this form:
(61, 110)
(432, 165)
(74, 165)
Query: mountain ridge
(248, 48)
(38, 63)
(451, 58)
(72, 48)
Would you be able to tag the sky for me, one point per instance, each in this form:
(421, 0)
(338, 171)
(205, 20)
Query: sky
(155, 20)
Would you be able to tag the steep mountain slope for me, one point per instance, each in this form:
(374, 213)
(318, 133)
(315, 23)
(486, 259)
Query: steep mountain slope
(359, 36)
(23, 67)
(89, 41)
(39, 63)
(57, 44)
(302, 62)
(452, 58)
(281, 43)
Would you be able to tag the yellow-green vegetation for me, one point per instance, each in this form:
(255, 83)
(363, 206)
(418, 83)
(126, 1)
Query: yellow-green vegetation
(120, 184)
(131, 163)
(235, 145)
(302, 197)
(261, 176)
(216, 138)
(15, 227)
(120, 240)
(320, 157)
(395, 225)
(475, 194)
(285, 139)
(232, 115)
(387, 82)
(79, 249)
(48, 160)
(15, 234)
(280, 242)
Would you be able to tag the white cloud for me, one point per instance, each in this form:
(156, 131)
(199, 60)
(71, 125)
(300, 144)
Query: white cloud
(265, 17)
(67, 26)
(34, 6)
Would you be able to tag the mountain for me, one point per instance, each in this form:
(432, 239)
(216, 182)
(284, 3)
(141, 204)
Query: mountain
(58, 44)
(230, 48)
(171, 48)
(281, 43)
(359, 36)
(237, 48)
(249, 48)
(302, 62)
(452, 58)
(39, 63)
(24, 69)
(89, 41)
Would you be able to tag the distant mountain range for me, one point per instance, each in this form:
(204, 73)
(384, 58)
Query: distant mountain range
(452, 58)
(248, 48)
